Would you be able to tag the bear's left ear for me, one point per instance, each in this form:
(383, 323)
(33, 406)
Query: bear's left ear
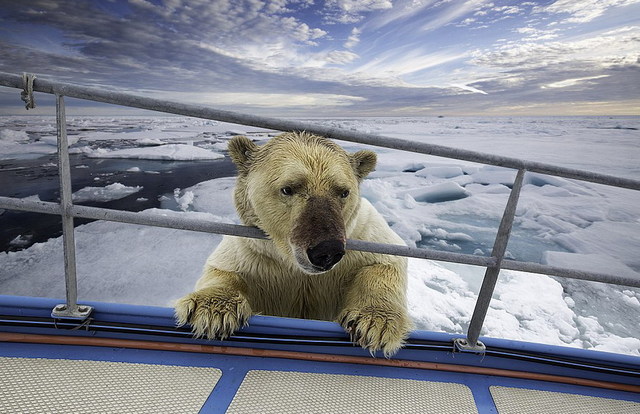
(240, 149)
(363, 163)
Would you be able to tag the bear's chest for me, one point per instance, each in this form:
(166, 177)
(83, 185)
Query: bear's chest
(297, 295)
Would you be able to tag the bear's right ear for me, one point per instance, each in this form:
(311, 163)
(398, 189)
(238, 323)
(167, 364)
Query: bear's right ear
(240, 149)
(363, 163)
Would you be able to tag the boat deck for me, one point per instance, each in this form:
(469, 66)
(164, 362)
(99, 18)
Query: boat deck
(131, 359)
(83, 379)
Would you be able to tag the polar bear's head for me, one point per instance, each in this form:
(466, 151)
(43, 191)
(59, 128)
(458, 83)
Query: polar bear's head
(302, 190)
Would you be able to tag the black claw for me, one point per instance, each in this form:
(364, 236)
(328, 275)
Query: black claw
(357, 336)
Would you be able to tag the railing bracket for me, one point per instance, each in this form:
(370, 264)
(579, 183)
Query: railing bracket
(80, 312)
(463, 345)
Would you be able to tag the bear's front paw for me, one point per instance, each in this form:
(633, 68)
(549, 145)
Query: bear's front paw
(375, 328)
(213, 312)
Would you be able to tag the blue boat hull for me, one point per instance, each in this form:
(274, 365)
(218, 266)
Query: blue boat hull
(288, 360)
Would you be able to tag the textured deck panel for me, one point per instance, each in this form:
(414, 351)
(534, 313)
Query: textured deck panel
(281, 392)
(524, 401)
(37, 385)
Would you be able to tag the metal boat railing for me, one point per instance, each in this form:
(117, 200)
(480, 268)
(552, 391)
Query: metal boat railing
(493, 264)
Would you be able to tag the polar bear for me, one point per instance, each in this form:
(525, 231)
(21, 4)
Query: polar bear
(302, 190)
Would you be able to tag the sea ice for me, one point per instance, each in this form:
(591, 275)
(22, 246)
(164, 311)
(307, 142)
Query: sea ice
(428, 201)
(21, 240)
(183, 200)
(155, 136)
(149, 142)
(598, 263)
(440, 172)
(234, 132)
(110, 192)
(161, 264)
(53, 140)
(174, 152)
(17, 145)
(439, 193)
(9, 135)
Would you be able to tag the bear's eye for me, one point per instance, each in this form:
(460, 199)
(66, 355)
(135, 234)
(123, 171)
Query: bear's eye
(288, 191)
(344, 194)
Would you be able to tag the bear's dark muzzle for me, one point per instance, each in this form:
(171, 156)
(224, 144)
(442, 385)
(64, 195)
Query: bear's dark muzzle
(326, 254)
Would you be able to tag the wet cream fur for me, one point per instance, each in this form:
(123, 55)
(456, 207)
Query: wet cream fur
(364, 292)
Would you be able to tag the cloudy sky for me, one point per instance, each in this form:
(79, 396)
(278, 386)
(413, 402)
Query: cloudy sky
(337, 57)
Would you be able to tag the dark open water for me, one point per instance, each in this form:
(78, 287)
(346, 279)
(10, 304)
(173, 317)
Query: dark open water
(24, 178)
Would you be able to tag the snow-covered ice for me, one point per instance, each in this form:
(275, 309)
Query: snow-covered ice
(14, 144)
(161, 264)
(90, 135)
(430, 202)
(110, 192)
(174, 152)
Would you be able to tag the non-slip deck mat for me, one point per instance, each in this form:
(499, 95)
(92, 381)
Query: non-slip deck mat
(280, 392)
(37, 385)
(525, 401)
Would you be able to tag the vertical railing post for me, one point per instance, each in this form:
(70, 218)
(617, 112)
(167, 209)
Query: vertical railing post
(71, 308)
(491, 274)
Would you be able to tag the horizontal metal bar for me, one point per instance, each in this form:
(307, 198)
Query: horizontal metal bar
(419, 253)
(157, 220)
(206, 112)
(192, 224)
(530, 267)
(187, 223)
(34, 206)
(96, 213)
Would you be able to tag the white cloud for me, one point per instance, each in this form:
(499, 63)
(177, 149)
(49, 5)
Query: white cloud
(252, 29)
(526, 30)
(583, 11)
(507, 9)
(402, 9)
(312, 66)
(401, 62)
(573, 82)
(533, 34)
(352, 11)
(450, 14)
(597, 50)
(560, 107)
(299, 32)
(271, 58)
(357, 6)
(341, 57)
(467, 21)
(273, 45)
(265, 100)
(353, 39)
(469, 88)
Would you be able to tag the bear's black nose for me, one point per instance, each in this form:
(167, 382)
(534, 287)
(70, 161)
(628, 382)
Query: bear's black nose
(326, 253)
